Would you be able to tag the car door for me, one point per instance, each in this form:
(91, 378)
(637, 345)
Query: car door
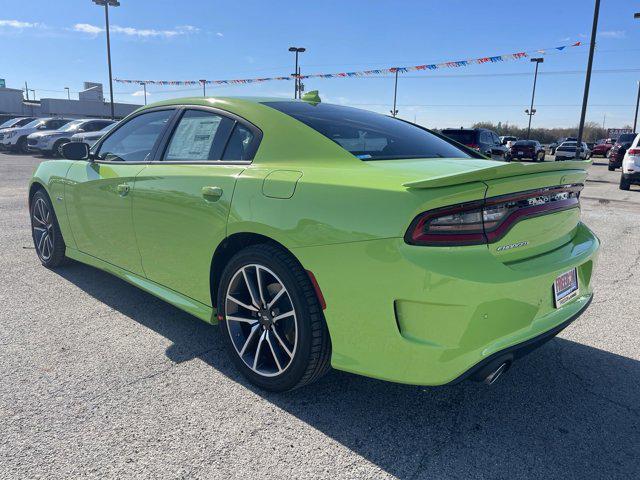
(182, 199)
(99, 192)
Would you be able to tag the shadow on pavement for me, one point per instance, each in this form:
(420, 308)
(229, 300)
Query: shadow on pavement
(566, 410)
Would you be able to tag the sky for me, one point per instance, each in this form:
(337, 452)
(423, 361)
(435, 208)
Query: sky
(53, 45)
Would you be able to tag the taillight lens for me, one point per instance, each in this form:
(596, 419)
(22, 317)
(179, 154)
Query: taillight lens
(489, 220)
(474, 146)
(634, 151)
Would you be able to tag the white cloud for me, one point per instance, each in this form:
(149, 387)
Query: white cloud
(219, 34)
(87, 28)
(140, 93)
(19, 24)
(137, 32)
(613, 34)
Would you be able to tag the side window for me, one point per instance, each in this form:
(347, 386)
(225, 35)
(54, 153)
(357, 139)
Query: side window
(91, 126)
(199, 136)
(239, 144)
(485, 137)
(134, 141)
(496, 139)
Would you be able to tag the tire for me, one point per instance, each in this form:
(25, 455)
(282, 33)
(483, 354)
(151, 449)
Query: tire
(56, 151)
(21, 145)
(273, 353)
(45, 231)
(542, 159)
(624, 185)
(610, 168)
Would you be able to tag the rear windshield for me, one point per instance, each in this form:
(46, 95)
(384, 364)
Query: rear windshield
(368, 135)
(525, 143)
(466, 137)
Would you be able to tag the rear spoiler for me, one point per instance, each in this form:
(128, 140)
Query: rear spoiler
(512, 169)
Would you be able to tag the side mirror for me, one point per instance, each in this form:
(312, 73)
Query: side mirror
(41, 127)
(75, 151)
(80, 130)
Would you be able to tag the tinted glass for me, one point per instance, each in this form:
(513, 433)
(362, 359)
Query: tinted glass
(196, 138)
(34, 123)
(71, 126)
(238, 146)
(626, 137)
(134, 141)
(56, 124)
(525, 143)
(368, 135)
(466, 137)
(9, 123)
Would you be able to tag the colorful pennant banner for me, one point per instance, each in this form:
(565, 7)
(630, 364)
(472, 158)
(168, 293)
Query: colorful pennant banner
(363, 73)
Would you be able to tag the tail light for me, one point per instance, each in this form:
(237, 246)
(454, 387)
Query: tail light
(474, 146)
(489, 220)
(634, 151)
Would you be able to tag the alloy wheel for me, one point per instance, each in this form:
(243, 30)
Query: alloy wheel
(261, 320)
(43, 230)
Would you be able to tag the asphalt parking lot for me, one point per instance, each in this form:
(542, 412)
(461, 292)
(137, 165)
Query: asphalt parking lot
(100, 379)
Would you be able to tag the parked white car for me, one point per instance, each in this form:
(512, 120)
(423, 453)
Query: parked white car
(90, 138)
(16, 138)
(631, 166)
(11, 124)
(567, 151)
(50, 142)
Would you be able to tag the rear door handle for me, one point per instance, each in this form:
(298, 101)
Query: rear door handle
(211, 193)
(123, 189)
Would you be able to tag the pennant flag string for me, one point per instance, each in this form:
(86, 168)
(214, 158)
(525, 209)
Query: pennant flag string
(382, 71)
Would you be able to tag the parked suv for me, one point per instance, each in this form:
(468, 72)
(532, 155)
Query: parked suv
(13, 123)
(530, 149)
(603, 148)
(619, 149)
(631, 166)
(16, 139)
(484, 141)
(90, 138)
(50, 142)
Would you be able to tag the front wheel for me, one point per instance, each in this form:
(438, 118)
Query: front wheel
(56, 151)
(271, 319)
(47, 238)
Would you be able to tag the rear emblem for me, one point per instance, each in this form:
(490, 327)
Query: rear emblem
(511, 246)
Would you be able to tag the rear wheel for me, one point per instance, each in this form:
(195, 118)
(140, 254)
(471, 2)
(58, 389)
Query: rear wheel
(47, 238)
(624, 184)
(271, 319)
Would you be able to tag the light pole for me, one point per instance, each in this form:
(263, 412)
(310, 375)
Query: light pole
(296, 75)
(394, 111)
(204, 87)
(68, 94)
(635, 117)
(144, 88)
(531, 110)
(106, 4)
(587, 81)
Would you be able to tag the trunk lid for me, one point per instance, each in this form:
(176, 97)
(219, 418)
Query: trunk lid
(541, 194)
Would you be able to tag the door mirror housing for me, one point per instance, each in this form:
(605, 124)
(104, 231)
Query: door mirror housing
(75, 151)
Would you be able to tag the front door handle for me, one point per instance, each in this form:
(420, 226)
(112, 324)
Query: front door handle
(211, 193)
(123, 189)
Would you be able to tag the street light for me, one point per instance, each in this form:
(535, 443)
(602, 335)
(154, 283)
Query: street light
(635, 117)
(204, 87)
(68, 94)
(144, 87)
(394, 111)
(587, 80)
(106, 4)
(531, 112)
(296, 75)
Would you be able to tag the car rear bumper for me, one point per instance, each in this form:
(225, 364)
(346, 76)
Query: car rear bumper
(430, 315)
(633, 178)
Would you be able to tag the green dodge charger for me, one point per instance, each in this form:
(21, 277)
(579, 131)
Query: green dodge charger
(323, 236)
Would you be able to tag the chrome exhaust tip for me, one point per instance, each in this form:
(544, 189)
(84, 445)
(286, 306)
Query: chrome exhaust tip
(492, 377)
